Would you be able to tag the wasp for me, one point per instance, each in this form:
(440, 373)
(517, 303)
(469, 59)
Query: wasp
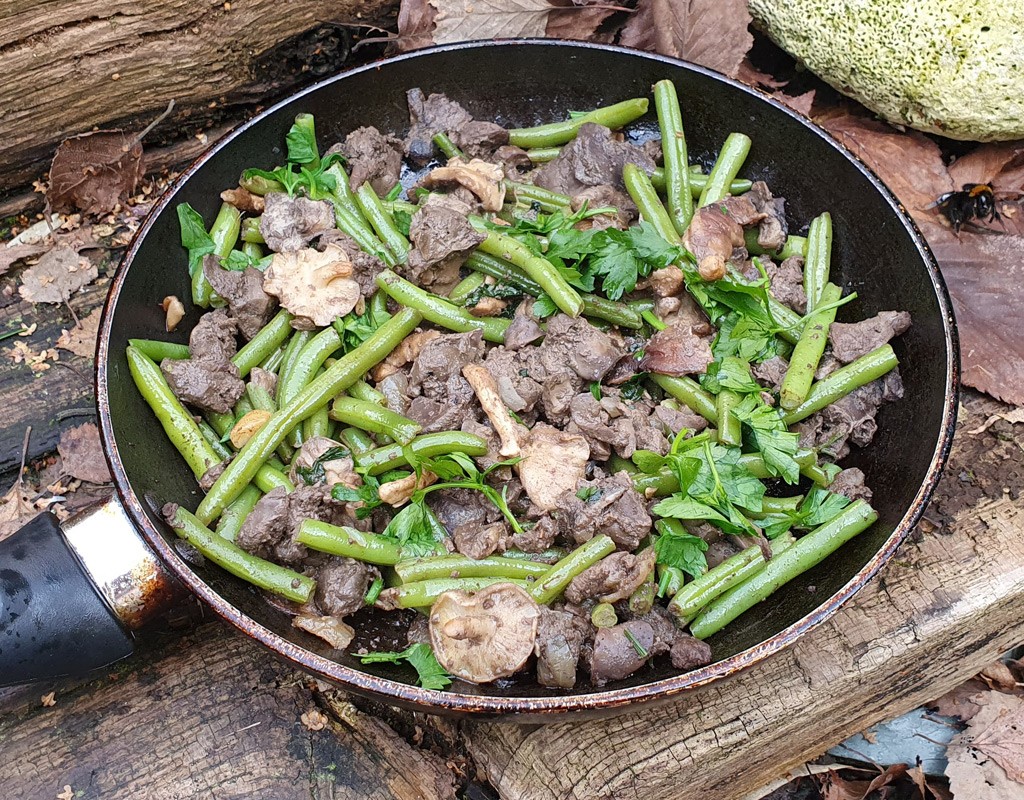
(974, 201)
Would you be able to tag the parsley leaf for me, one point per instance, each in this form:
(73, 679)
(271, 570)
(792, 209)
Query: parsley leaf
(821, 506)
(429, 673)
(677, 548)
(366, 494)
(315, 472)
(771, 437)
(194, 237)
(301, 141)
(498, 290)
(730, 373)
(355, 329)
(403, 220)
(416, 530)
(544, 306)
(237, 261)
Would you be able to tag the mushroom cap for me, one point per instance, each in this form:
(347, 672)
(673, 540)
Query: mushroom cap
(483, 179)
(315, 286)
(554, 462)
(484, 636)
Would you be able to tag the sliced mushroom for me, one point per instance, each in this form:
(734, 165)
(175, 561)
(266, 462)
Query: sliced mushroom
(554, 462)
(486, 389)
(333, 630)
(484, 636)
(397, 493)
(711, 237)
(174, 310)
(481, 178)
(315, 286)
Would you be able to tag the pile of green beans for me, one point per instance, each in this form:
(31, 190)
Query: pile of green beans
(329, 387)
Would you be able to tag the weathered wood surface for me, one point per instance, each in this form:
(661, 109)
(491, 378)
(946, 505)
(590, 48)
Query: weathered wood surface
(71, 65)
(174, 722)
(208, 715)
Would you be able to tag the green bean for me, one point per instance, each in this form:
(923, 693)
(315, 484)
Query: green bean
(808, 351)
(232, 558)
(549, 556)
(375, 419)
(423, 593)
(250, 231)
(788, 320)
(342, 374)
(818, 262)
(352, 223)
(258, 184)
(382, 222)
(224, 233)
(219, 448)
(438, 310)
(610, 311)
(343, 194)
(268, 478)
(221, 423)
(730, 429)
(231, 521)
(357, 441)
(794, 246)
(697, 182)
(776, 505)
(556, 133)
(316, 425)
(349, 543)
(305, 366)
(464, 288)
(661, 483)
(670, 580)
(429, 445)
(727, 165)
(292, 353)
(673, 148)
(688, 392)
(539, 269)
(542, 155)
(253, 250)
(603, 615)
(400, 205)
(552, 583)
(264, 343)
(447, 146)
(844, 380)
(272, 363)
(548, 200)
(361, 390)
(646, 198)
(177, 423)
(459, 566)
(260, 398)
(694, 596)
(807, 552)
(242, 407)
(157, 351)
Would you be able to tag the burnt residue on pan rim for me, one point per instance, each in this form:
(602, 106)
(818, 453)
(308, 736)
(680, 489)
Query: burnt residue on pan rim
(540, 708)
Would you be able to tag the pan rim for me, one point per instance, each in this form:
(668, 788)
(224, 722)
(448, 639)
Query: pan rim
(521, 707)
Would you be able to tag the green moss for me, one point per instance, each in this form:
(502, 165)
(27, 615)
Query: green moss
(951, 67)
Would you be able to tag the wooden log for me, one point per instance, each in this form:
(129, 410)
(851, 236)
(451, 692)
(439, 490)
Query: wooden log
(947, 605)
(75, 64)
(208, 715)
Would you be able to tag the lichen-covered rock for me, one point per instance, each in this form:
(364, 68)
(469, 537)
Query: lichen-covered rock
(951, 67)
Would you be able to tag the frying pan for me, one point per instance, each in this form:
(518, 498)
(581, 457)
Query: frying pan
(71, 598)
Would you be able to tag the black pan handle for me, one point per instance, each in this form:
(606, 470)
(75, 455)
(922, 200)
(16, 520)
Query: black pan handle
(69, 597)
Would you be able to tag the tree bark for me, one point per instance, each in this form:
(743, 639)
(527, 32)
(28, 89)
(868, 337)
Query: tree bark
(72, 65)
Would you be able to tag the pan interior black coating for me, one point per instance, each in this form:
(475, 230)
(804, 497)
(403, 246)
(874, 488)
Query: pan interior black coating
(875, 253)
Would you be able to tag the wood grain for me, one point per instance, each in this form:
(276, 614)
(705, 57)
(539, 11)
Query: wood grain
(208, 715)
(76, 64)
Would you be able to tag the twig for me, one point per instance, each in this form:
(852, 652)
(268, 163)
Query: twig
(150, 126)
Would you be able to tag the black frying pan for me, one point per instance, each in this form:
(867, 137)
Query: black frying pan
(877, 251)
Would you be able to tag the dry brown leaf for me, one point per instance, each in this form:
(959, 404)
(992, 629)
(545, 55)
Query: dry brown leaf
(415, 25)
(82, 453)
(712, 33)
(985, 163)
(891, 775)
(752, 76)
(60, 273)
(95, 171)
(9, 255)
(1013, 417)
(580, 21)
(959, 702)
(81, 340)
(834, 787)
(986, 761)
(470, 20)
(982, 269)
(15, 509)
(998, 675)
(801, 103)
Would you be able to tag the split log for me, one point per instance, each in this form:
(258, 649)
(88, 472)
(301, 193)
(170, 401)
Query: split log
(74, 65)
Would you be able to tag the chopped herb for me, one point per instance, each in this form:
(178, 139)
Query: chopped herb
(771, 437)
(429, 673)
(194, 236)
(237, 261)
(544, 306)
(634, 388)
(315, 472)
(403, 221)
(640, 649)
(677, 548)
(312, 176)
(355, 329)
(366, 494)
(374, 591)
(590, 494)
(595, 389)
(497, 290)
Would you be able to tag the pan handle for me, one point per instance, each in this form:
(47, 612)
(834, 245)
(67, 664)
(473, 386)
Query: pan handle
(71, 595)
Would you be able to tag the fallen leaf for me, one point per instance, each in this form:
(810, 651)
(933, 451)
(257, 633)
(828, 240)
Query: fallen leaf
(15, 509)
(801, 103)
(60, 273)
(834, 787)
(415, 25)
(986, 761)
(13, 253)
(49, 700)
(580, 20)
(892, 774)
(470, 20)
(95, 171)
(1013, 417)
(982, 269)
(82, 453)
(712, 33)
(959, 702)
(985, 163)
(752, 76)
(998, 675)
(81, 340)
